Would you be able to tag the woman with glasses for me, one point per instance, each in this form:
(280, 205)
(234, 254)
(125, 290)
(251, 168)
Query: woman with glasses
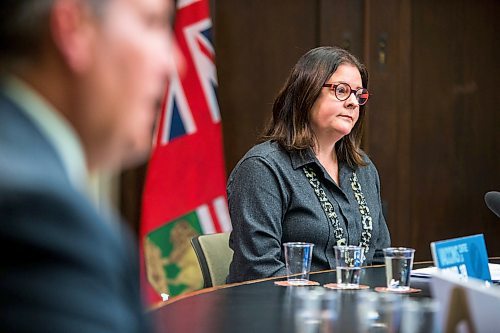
(309, 180)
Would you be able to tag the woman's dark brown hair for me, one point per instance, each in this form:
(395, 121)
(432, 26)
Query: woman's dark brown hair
(290, 126)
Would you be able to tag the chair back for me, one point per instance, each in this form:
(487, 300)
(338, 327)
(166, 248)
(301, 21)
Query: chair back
(214, 256)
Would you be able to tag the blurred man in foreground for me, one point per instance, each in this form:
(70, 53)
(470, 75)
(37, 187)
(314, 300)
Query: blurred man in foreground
(80, 86)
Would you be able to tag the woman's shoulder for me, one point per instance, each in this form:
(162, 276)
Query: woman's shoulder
(268, 154)
(365, 157)
(261, 163)
(269, 151)
(369, 167)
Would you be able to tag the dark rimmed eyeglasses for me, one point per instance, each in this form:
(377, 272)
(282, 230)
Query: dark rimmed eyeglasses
(342, 91)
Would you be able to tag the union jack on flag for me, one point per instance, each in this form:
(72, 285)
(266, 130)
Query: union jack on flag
(184, 193)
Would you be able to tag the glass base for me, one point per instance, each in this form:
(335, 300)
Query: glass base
(398, 288)
(298, 282)
(348, 285)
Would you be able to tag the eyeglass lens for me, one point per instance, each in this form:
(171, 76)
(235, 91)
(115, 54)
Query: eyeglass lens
(343, 91)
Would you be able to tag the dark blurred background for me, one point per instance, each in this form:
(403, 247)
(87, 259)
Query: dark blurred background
(433, 122)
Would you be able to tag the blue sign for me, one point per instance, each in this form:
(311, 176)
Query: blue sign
(466, 256)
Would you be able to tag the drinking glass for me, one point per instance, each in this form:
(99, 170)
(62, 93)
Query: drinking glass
(298, 257)
(398, 265)
(379, 312)
(348, 259)
(315, 310)
(419, 316)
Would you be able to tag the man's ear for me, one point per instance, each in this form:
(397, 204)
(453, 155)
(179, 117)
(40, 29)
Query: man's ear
(73, 29)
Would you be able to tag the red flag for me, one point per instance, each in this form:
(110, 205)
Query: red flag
(184, 193)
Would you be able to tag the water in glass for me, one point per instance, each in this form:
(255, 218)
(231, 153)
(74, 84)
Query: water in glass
(398, 272)
(348, 277)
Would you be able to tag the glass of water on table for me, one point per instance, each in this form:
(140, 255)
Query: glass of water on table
(398, 265)
(298, 256)
(348, 260)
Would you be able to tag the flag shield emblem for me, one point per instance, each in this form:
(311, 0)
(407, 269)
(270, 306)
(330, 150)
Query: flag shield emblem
(171, 264)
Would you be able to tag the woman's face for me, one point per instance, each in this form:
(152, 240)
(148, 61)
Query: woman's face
(331, 118)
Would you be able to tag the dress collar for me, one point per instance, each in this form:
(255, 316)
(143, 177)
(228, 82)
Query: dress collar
(302, 157)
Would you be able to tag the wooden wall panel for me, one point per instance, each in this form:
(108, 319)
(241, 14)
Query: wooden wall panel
(432, 129)
(455, 120)
(132, 185)
(256, 43)
(387, 54)
(341, 23)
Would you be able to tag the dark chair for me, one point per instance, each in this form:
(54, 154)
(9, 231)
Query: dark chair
(214, 257)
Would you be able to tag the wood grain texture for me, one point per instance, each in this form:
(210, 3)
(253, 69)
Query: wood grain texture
(257, 43)
(455, 121)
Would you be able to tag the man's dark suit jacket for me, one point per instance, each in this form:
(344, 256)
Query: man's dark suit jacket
(63, 268)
